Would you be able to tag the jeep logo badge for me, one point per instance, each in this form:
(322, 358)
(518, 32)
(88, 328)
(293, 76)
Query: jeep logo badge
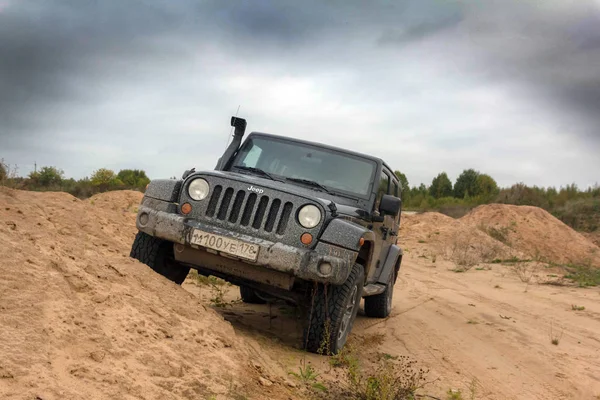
(256, 190)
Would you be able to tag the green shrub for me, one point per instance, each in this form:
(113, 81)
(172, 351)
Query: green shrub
(47, 177)
(581, 214)
(3, 170)
(133, 178)
(583, 275)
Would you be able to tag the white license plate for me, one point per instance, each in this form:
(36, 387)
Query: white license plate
(224, 244)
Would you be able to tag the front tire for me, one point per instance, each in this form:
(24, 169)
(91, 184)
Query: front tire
(158, 255)
(331, 314)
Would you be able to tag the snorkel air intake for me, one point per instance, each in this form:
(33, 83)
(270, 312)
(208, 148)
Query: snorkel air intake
(240, 127)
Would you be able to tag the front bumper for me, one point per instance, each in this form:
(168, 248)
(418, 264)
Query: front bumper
(157, 218)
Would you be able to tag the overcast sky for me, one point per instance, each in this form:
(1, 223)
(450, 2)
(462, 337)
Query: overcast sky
(510, 88)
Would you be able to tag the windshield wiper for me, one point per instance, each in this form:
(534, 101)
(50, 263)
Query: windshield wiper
(256, 170)
(311, 183)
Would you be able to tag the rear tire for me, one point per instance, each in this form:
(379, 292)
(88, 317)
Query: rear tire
(249, 296)
(380, 305)
(158, 255)
(332, 314)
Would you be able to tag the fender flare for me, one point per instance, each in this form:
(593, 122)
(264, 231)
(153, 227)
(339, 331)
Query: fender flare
(346, 234)
(393, 259)
(164, 189)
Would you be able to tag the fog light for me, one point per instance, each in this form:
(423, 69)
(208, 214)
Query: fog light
(186, 208)
(325, 268)
(306, 238)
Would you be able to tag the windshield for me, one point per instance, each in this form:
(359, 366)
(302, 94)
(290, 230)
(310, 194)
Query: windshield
(335, 170)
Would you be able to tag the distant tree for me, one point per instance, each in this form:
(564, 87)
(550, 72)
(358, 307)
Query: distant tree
(466, 184)
(103, 176)
(47, 176)
(441, 186)
(104, 179)
(3, 170)
(133, 178)
(486, 186)
(403, 180)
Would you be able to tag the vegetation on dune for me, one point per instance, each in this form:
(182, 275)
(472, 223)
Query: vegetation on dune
(578, 208)
(51, 178)
(3, 171)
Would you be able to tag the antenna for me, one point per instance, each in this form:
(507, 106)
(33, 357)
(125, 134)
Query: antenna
(231, 130)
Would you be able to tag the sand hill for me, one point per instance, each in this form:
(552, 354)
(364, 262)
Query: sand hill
(80, 319)
(499, 231)
(535, 232)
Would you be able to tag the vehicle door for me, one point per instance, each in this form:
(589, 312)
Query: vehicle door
(380, 227)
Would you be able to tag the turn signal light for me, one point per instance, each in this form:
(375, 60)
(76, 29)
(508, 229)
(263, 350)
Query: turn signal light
(361, 241)
(186, 208)
(306, 239)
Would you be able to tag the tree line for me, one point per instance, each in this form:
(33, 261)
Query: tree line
(50, 178)
(576, 207)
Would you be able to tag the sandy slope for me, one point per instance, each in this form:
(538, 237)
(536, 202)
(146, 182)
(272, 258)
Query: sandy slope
(80, 319)
(536, 233)
(435, 234)
(593, 237)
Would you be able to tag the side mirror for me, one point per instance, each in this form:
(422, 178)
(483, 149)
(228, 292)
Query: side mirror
(389, 205)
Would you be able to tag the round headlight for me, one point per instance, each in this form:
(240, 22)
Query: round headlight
(309, 216)
(198, 189)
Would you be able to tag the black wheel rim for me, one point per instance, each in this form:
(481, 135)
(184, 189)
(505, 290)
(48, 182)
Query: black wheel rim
(347, 317)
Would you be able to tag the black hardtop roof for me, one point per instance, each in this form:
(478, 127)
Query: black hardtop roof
(326, 146)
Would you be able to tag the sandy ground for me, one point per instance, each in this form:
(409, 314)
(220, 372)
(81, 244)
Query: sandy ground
(80, 319)
(482, 326)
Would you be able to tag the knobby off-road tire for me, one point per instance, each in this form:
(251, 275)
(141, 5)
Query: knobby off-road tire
(380, 305)
(249, 296)
(158, 255)
(332, 314)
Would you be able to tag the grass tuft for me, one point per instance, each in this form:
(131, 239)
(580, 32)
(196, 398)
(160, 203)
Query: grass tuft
(583, 275)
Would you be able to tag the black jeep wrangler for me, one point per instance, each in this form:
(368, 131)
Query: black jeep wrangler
(282, 218)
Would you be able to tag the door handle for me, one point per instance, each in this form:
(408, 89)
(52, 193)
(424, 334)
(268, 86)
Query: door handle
(385, 232)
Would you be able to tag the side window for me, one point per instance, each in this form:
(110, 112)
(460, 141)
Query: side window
(384, 187)
(394, 187)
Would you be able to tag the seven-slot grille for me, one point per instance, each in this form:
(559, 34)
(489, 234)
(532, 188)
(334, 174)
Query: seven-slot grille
(249, 209)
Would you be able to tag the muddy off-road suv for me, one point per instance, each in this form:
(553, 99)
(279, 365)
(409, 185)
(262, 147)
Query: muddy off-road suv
(282, 218)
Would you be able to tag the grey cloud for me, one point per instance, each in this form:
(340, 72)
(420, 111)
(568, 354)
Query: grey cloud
(553, 52)
(548, 51)
(78, 74)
